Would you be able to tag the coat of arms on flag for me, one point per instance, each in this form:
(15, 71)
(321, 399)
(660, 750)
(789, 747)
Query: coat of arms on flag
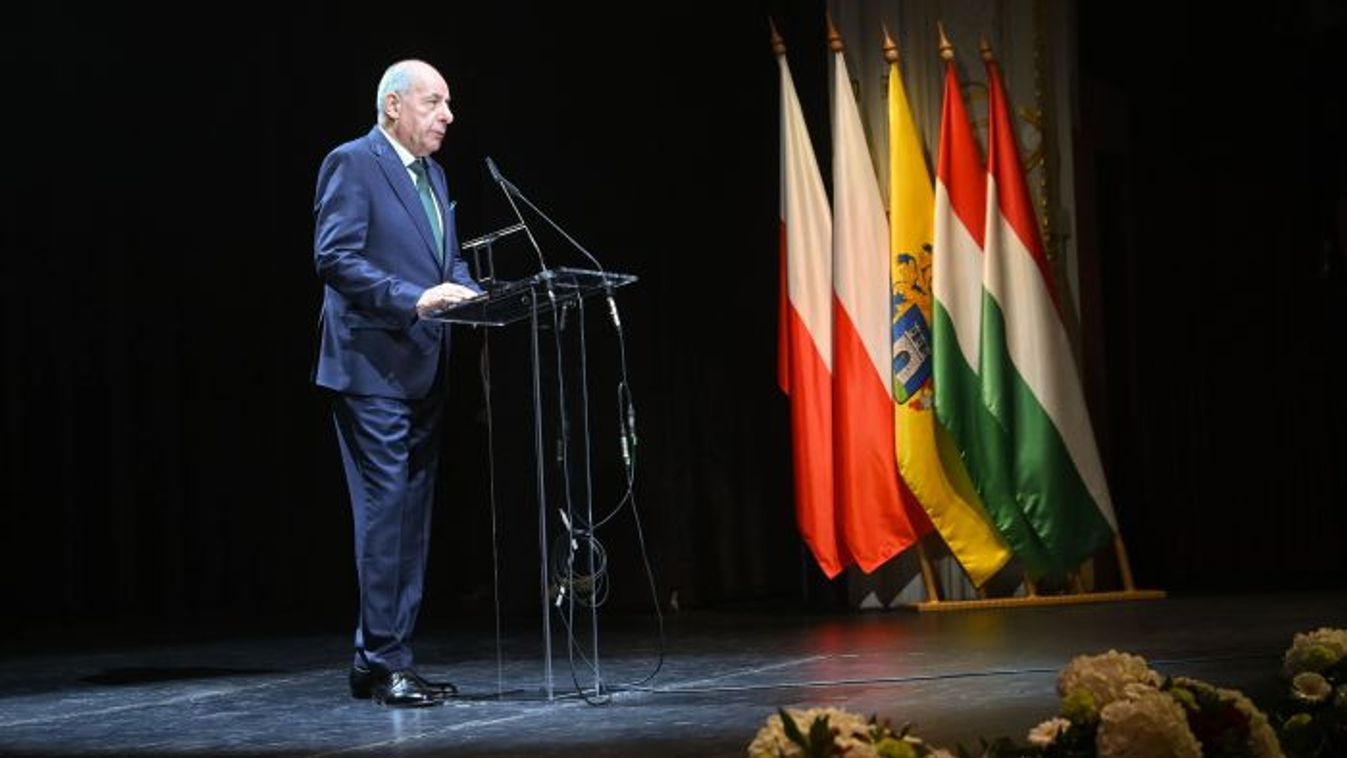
(911, 332)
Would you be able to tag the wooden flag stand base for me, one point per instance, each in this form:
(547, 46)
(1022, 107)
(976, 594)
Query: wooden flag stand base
(1033, 599)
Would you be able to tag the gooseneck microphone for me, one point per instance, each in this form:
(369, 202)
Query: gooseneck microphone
(511, 193)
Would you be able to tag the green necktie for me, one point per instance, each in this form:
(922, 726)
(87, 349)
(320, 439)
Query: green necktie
(418, 167)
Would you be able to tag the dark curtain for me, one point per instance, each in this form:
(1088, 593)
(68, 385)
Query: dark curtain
(168, 465)
(167, 460)
(1214, 221)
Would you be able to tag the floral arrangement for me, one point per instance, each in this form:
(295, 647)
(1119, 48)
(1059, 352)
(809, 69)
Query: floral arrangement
(1314, 717)
(818, 732)
(1115, 705)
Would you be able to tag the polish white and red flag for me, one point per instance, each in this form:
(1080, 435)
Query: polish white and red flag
(880, 517)
(805, 368)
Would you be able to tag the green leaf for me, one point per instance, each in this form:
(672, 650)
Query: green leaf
(792, 731)
(820, 738)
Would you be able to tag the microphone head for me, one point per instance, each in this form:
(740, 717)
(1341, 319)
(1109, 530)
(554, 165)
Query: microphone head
(495, 172)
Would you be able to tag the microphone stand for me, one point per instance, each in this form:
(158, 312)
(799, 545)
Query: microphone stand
(545, 275)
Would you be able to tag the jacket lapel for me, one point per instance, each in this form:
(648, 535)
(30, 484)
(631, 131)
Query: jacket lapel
(397, 177)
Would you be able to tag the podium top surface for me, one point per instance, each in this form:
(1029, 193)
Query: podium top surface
(507, 302)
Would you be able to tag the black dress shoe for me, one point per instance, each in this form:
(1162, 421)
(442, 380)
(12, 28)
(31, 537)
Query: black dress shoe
(444, 689)
(361, 680)
(401, 689)
(362, 683)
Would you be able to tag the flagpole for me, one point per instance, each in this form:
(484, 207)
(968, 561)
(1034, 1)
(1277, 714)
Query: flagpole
(778, 44)
(1124, 565)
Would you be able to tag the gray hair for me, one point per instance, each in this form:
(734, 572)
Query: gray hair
(397, 78)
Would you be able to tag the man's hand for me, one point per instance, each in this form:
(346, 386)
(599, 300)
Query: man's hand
(442, 296)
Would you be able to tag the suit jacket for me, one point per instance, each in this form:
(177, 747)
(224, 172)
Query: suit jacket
(375, 252)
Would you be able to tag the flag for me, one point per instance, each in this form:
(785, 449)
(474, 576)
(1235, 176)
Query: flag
(927, 457)
(1029, 378)
(805, 362)
(880, 518)
(960, 220)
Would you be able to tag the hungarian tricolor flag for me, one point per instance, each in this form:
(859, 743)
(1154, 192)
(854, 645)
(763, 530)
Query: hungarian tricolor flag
(1028, 375)
(960, 223)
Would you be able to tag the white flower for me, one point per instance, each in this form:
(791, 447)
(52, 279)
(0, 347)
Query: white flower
(1146, 723)
(851, 734)
(1047, 732)
(771, 740)
(1105, 677)
(1310, 687)
(1315, 651)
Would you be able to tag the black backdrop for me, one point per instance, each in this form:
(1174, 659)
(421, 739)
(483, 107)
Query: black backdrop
(1214, 150)
(168, 464)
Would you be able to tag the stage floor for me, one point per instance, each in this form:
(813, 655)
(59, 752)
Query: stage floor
(955, 676)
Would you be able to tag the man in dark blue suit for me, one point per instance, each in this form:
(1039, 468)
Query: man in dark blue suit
(386, 249)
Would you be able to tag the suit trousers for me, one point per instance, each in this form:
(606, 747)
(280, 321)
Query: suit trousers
(390, 451)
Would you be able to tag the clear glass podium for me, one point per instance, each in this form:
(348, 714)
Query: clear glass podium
(548, 292)
(538, 295)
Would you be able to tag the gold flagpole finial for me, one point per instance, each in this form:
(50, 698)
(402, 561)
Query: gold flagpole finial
(946, 47)
(890, 47)
(778, 44)
(834, 39)
(985, 48)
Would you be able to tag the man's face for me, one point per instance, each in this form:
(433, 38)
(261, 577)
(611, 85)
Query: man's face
(423, 115)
